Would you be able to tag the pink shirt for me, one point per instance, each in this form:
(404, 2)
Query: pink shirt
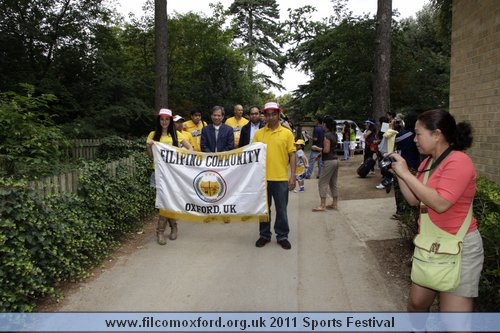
(455, 180)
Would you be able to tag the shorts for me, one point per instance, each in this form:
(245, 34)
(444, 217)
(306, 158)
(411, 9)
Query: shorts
(300, 177)
(352, 145)
(472, 265)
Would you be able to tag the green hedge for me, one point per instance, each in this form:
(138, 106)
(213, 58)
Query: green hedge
(44, 241)
(487, 212)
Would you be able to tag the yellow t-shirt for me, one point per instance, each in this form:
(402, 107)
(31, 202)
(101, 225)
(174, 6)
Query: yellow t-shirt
(280, 143)
(195, 131)
(167, 138)
(236, 125)
(188, 137)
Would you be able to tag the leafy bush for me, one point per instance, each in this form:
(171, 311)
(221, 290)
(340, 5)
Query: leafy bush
(29, 141)
(44, 241)
(115, 147)
(487, 213)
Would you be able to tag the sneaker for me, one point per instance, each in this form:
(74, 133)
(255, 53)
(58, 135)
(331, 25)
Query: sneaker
(380, 187)
(262, 242)
(300, 190)
(285, 244)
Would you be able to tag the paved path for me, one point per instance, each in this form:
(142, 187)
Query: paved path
(216, 267)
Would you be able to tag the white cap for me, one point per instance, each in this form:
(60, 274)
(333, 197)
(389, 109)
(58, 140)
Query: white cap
(165, 112)
(272, 106)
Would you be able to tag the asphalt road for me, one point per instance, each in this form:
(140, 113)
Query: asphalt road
(216, 267)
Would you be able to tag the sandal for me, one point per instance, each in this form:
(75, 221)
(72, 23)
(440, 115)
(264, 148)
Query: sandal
(318, 209)
(331, 207)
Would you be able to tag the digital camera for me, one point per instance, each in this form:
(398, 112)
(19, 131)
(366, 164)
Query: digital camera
(385, 165)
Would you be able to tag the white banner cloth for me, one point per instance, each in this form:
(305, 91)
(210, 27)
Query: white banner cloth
(211, 187)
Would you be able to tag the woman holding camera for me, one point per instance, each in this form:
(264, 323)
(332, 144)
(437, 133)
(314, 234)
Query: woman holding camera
(446, 197)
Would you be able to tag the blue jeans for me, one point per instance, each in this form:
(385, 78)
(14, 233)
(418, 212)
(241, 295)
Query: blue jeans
(278, 191)
(310, 169)
(346, 145)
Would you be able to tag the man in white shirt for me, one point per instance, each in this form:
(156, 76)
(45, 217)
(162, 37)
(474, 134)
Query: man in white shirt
(248, 131)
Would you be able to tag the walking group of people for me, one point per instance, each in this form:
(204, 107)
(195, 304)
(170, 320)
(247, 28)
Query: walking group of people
(237, 131)
(443, 183)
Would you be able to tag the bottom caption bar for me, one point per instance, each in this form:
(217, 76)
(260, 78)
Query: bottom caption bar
(248, 322)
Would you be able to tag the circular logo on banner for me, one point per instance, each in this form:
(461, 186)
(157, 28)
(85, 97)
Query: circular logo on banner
(210, 186)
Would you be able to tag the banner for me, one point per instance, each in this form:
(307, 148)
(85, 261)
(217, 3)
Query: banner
(211, 187)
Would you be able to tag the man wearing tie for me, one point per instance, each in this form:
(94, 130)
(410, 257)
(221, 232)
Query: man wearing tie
(217, 136)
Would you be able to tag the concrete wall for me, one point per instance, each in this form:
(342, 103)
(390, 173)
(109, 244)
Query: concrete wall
(475, 79)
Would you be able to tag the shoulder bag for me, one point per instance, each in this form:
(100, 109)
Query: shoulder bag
(437, 257)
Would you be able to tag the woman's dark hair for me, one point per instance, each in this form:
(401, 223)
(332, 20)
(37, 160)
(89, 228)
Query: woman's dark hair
(195, 110)
(347, 126)
(410, 120)
(171, 130)
(459, 136)
(330, 123)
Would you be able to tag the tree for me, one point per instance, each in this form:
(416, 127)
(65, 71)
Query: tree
(161, 47)
(205, 70)
(258, 32)
(48, 40)
(70, 50)
(381, 83)
(338, 59)
(420, 63)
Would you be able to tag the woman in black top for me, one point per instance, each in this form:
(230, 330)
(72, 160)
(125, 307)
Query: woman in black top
(329, 172)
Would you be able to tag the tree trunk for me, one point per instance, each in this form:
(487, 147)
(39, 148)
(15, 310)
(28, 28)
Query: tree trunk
(381, 83)
(250, 45)
(161, 38)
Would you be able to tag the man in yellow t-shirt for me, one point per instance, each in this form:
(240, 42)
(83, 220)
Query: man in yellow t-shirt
(194, 127)
(280, 152)
(237, 122)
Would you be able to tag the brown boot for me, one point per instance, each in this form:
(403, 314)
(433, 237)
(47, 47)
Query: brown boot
(173, 227)
(160, 229)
